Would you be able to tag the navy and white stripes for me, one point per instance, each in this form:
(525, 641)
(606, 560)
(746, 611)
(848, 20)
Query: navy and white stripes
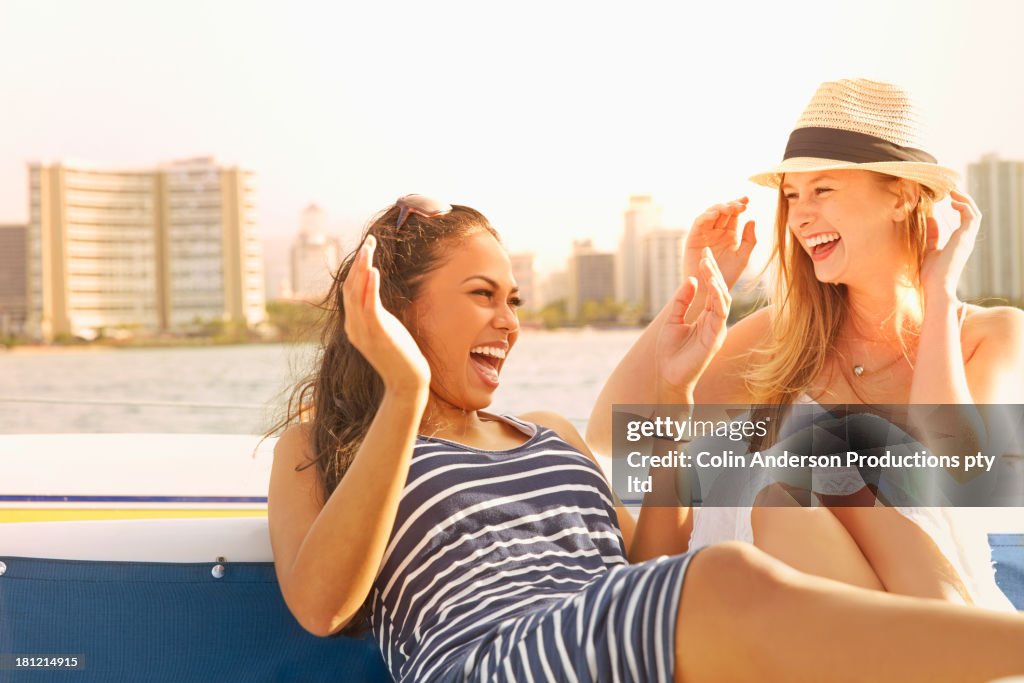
(493, 550)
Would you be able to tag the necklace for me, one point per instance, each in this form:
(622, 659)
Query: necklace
(859, 370)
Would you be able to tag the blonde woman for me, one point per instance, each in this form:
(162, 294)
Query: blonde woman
(864, 310)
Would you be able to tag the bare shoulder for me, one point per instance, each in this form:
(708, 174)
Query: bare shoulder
(293, 457)
(560, 425)
(758, 320)
(723, 381)
(999, 328)
(993, 342)
(980, 317)
(294, 444)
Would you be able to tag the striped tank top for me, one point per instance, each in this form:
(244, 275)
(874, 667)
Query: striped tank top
(482, 537)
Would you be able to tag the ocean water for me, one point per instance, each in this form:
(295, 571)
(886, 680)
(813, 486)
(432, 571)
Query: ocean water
(242, 389)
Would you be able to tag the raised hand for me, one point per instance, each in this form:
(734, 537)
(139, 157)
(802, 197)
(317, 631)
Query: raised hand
(941, 268)
(375, 332)
(716, 229)
(683, 349)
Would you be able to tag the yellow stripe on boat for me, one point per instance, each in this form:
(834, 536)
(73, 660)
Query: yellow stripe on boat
(76, 477)
(65, 515)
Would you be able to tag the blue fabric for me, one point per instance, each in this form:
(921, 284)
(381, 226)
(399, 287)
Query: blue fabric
(482, 537)
(174, 622)
(1008, 554)
(621, 627)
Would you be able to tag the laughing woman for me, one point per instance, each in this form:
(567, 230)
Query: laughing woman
(864, 311)
(481, 547)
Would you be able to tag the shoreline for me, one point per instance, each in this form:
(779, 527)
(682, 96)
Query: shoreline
(56, 349)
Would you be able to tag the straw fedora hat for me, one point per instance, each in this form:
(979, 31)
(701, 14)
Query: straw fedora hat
(865, 125)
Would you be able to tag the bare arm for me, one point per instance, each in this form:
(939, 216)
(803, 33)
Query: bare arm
(940, 376)
(633, 380)
(666, 518)
(327, 555)
(682, 353)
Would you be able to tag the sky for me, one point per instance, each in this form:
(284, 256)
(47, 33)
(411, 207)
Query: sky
(546, 116)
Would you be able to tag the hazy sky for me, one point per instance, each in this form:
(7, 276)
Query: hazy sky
(546, 116)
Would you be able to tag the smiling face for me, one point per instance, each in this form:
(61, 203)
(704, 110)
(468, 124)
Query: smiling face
(849, 223)
(465, 320)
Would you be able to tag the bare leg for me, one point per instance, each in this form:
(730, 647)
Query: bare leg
(903, 556)
(745, 616)
(811, 540)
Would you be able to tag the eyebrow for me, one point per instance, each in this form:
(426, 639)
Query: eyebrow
(489, 281)
(823, 176)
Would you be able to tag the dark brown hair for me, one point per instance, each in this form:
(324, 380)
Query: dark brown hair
(341, 395)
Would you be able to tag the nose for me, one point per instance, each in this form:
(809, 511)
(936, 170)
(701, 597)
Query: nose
(800, 214)
(505, 318)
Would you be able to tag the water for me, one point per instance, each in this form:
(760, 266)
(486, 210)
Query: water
(242, 389)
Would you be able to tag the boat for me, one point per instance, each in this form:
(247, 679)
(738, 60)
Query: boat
(147, 557)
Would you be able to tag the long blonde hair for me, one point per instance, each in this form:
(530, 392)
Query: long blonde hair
(807, 315)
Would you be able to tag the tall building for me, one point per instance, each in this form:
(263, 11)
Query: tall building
(555, 287)
(996, 266)
(522, 271)
(641, 216)
(663, 268)
(591, 277)
(315, 256)
(13, 280)
(151, 249)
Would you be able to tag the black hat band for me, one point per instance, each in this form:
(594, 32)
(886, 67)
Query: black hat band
(847, 145)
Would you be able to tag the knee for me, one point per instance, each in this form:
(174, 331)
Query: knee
(741, 573)
(773, 519)
(781, 495)
(733, 592)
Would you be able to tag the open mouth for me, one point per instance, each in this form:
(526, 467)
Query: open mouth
(487, 362)
(821, 251)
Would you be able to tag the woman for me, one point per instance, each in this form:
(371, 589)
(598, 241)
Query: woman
(489, 546)
(864, 311)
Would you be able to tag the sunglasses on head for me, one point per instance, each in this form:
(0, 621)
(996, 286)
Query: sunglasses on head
(420, 205)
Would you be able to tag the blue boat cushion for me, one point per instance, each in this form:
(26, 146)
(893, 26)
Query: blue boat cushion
(173, 622)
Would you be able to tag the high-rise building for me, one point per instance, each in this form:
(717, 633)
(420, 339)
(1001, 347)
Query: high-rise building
(150, 249)
(591, 277)
(315, 256)
(13, 280)
(522, 271)
(554, 287)
(663, 268)
(996, 266)
(641, 216)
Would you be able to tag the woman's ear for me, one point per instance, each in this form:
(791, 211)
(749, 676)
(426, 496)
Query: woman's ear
(908, 194)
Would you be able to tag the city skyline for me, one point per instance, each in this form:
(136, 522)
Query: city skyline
(349, 108)
(158, 249)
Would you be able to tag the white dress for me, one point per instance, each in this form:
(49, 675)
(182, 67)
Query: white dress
(966, 548)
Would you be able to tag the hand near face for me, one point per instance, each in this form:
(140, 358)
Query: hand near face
(375, 332)
(941, 268)
(716, 229)
(684, 349)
